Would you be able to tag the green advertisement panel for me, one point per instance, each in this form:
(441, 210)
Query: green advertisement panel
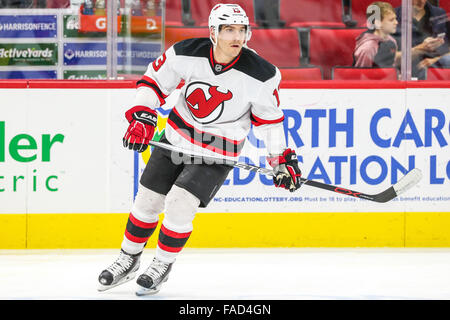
(28, 54)
(85, 74)
(71, 28)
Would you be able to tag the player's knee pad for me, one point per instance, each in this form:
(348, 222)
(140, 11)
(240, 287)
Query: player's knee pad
(181, 206)
(148, 204)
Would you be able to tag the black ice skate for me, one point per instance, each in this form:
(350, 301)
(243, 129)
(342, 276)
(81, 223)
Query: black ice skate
(151, 280)
(122, 270)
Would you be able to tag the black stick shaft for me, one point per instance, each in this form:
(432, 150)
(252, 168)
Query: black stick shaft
(384, 196)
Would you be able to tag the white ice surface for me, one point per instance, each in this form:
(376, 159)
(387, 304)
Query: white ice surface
(240, 274)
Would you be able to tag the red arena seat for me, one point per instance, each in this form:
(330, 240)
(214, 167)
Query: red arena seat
(302, 73)
(359, 7)
(175, 34)
(285, 54)
(332, 47)
(58, 4)
(445, 4)
(200, 9)
(174, 13)
(351, 73)
(280, 47)
(438, 74)
(312, 13)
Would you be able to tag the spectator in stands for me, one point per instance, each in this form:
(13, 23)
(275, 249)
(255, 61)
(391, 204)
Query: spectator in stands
(376, 47)
(23, 4)
(430, 37)
(58, 3)
(16, 3)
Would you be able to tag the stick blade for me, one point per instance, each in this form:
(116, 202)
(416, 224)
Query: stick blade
(408, 181)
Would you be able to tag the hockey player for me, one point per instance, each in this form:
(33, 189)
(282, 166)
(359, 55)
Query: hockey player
(227, 88)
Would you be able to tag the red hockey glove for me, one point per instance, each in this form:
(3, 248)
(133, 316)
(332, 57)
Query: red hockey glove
(142, 126)
(286, 171)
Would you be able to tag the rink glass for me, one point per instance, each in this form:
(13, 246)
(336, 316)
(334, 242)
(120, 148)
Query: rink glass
(100, 39)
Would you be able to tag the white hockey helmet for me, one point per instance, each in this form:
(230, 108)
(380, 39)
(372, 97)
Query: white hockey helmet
(224, 13)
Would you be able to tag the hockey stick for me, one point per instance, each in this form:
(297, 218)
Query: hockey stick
(404, 184)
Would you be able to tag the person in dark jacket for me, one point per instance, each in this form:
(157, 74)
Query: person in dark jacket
(430, 37)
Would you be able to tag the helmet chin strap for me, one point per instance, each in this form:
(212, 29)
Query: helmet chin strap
(215, 36)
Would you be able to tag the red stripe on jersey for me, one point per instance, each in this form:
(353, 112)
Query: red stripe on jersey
(211, 57)
(258, 121)
(228, 66)
(233, 62)
(203, 145)
(135, 239)
(237, 145)
(169, 249)
(174, 234)
(154, 86)
(142, 224)
(200, 132)
(150, 80)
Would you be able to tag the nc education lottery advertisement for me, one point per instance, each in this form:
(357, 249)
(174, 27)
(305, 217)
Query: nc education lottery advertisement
(360, 139)
(364, 140)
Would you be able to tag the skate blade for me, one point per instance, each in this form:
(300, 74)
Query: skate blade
(129, 277)
(142, 291)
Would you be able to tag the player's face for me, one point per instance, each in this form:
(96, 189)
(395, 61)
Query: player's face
(389, 23)
(230, 40)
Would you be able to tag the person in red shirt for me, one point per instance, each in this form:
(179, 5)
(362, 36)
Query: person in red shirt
(376, 47)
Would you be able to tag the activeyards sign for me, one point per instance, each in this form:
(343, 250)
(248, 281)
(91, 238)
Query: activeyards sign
(28, 54)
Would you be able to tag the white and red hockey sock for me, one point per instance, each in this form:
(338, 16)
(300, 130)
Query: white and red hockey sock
(137, 233)
(170, 243)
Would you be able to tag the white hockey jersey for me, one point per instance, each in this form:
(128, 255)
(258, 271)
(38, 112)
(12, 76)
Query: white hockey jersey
(218, 103)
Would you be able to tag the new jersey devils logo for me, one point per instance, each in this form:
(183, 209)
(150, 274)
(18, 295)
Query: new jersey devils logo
(206, 102)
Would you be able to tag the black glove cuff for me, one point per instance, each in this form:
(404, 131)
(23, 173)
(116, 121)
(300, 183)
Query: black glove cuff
(146, 117)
